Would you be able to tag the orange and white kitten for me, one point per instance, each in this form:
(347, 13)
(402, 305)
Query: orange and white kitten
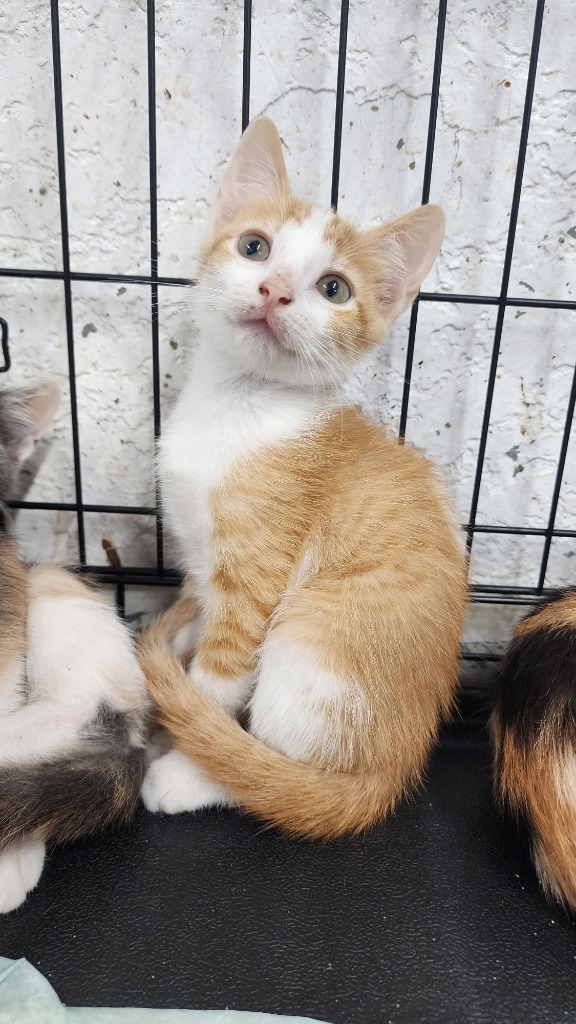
(329, 575)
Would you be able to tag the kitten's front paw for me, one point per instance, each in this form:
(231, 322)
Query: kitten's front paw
(231, 694)
(20, 870)
(174, 784)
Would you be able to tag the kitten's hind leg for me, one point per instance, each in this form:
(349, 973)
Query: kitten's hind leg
(174, 784)
(20, 870)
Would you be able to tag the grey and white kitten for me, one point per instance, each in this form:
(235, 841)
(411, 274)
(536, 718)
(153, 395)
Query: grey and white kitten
(73, 703)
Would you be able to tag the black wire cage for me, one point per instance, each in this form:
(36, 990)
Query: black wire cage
(160, 573)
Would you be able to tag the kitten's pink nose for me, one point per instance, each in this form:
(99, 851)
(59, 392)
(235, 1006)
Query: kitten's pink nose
(276, 290)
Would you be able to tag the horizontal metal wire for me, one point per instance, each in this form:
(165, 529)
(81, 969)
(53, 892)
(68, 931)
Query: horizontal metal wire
(59, 275)
(186, 282)
(148, 510)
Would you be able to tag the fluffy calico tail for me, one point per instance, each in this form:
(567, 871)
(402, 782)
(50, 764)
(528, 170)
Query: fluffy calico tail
(534, 734)
(297, 797)
(75, 793)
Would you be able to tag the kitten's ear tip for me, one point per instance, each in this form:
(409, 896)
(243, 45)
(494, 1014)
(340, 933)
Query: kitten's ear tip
(265, 129)
(261, 124)
(435, 216)
(49, 390)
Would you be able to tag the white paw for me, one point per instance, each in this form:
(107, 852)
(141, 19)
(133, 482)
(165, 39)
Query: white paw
(231, 694)
(20, 870)
(174, 783)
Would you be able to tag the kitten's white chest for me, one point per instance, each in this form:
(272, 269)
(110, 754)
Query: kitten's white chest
(213, 426)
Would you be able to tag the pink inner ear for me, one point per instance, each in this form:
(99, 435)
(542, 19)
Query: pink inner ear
(407, 248)
(256, 171)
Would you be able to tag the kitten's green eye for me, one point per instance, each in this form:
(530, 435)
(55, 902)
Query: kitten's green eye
(334, 288)
(254, 247)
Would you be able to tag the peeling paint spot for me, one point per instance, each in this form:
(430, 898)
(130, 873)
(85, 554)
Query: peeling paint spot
(518, 469)
(519, 313)
(447, 425)
(89, 329)
(526, 285)
(400, 143)
(512, 453)
(412, 165)
(173, 344)
(569, 554)
(374, 108)
(121, 290)
(572, 232)
(167, 94)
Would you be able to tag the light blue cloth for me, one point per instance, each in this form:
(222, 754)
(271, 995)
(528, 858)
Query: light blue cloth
(26, 997)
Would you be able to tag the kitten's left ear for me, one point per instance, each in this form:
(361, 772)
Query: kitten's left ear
(256, 171)
(25, 413)
(406, 248)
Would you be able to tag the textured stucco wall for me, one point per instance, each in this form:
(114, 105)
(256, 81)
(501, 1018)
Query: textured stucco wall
(294, 59)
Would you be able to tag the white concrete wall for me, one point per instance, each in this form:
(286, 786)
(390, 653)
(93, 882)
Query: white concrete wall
(198, 102)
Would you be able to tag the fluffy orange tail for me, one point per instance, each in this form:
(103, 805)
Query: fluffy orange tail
(299, 798)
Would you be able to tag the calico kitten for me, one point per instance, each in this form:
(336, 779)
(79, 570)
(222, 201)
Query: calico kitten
(73, 699)
(534, 735)
(329, 575)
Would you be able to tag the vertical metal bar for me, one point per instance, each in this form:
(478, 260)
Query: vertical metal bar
(532, 67)
(246, 64)
(558, 482)
(4, 346)
(433, 116)
(340, 82)
(67, 282)
(154, 311)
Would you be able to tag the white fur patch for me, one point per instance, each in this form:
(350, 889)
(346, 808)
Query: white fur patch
(231, 694)
(182, 645)
(41, 730)
(300, 709)
(174, 784)
(79, 656)
(20, 870)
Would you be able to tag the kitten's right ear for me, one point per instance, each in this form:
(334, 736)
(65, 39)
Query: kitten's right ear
(25, 413)
(256, 171)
